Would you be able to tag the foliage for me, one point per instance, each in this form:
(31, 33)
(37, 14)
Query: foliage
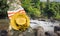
(55, 7)
(47, 9)
(32, 7)
(34, 12)
(35, 8)
(52, 11)
(3, 8)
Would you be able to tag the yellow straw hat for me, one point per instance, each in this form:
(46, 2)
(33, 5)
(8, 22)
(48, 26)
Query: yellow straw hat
(20, 22)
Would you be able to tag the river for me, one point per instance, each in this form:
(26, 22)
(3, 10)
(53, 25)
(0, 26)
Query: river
(47, 25)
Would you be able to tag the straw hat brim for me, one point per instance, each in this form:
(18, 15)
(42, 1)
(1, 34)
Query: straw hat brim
(25, 24)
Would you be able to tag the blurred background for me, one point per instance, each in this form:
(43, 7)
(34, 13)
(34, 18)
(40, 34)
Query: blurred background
(35, 8)
(42, 12)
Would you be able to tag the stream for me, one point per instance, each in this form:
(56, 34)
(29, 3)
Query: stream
(47, 25)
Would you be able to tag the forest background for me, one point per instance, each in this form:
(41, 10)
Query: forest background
(35, 9)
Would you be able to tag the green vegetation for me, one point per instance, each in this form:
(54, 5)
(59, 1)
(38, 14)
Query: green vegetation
(53, 10)
(3, 8)
(32, 7)
(35, 8)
